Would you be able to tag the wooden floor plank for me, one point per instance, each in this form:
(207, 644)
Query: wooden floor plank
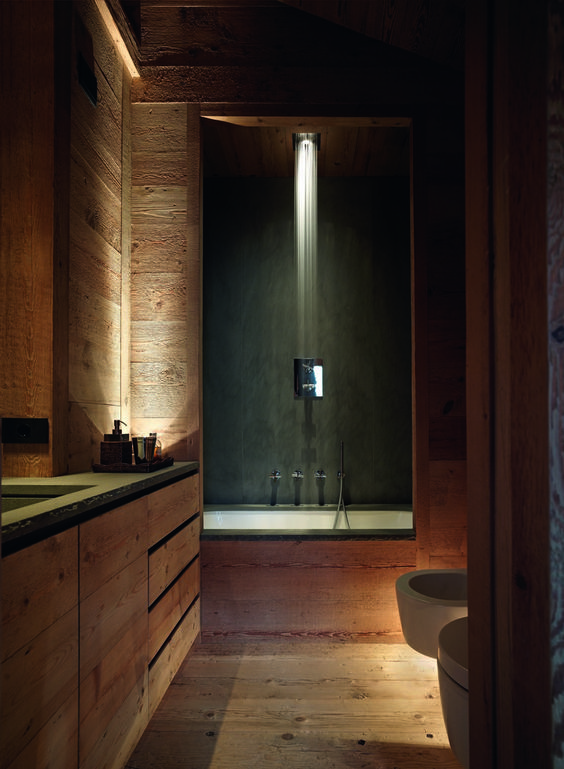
(299, 705)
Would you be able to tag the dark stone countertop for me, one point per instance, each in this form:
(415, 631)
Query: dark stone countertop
(101, 492)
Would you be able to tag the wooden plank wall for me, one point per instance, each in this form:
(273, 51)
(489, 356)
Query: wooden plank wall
(444, 542)
(96, 241)
(315, 589)
(61, 233)
(165, 275)
(555, 202)
(27, 224)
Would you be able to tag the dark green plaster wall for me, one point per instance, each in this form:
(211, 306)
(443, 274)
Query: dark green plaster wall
(252, 424)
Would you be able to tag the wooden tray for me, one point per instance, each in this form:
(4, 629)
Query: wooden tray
(145, 467)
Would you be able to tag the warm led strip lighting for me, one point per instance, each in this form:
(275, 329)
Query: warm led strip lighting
(117, 39)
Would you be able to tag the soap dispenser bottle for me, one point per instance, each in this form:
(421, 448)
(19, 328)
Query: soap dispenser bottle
(116, 448)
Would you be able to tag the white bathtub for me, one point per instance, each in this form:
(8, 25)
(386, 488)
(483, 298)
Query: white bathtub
(392, 518)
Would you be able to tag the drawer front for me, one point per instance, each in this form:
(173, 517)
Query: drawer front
(171, 506)
(170, 607)
(39, 584)
(37, 681)
(169, 559)
(166, 665)
(110, 542)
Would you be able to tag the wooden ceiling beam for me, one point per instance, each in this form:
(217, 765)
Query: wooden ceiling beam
(432, 29)
(303, 123)
(386, 85)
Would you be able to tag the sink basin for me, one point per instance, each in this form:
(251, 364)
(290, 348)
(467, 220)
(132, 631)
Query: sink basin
(21, 495)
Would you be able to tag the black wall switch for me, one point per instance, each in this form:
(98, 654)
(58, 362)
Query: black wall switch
(21, 430)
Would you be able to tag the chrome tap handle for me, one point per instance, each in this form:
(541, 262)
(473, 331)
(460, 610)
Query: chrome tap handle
(275, 475)
(298, 475)
(320, 475)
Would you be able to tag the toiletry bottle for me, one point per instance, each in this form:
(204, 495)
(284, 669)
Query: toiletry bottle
(116, 448)
(158, 447)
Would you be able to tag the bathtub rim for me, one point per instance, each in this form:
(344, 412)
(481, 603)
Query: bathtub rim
(347, 535)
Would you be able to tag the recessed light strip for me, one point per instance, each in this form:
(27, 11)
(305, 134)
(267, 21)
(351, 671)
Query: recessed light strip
(117, 38)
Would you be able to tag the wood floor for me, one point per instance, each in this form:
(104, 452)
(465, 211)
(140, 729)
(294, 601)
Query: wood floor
(299, 704)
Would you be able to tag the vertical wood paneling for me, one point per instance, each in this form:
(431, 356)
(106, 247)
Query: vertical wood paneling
(442, 393)
(481, 518)
(556, 362)
(508, 412)
(165, 280)
(447, 515)
(125, 320)
(27, 224)
(95, 277)
(521, 544)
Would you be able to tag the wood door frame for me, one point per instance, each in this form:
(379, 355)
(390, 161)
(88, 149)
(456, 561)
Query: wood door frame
(509, 621)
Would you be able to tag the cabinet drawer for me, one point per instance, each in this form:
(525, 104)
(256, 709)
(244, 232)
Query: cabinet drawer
(39, 584)
(36, 683)
(110, 542)
(171, 506)
(169, 559)
(170, 607)
(166, 665)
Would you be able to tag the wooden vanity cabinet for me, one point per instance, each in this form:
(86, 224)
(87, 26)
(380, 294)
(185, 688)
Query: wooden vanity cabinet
(39, 686)
(95, 623)
(113, 635)
(174, 582)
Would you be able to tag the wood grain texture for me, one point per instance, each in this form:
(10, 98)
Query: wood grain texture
(448, 514)
(125, 308)
(556, 363)
(434, 30)
(168, 610)
(519, 301)
(165, 283)
(125, 728)
(170, 558)
(113, 662)
(37, 681)
(55, 746)
(106, 614)
(171, 507)
(27, 223)
(165, 666)
(39, 704)
(39, 584)
(480, 391)
(387, 84)
(291, 703)
(305, 588)
(95, 272)
(110, 542)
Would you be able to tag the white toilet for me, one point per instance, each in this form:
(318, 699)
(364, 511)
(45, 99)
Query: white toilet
(427, 600)
(452, 666)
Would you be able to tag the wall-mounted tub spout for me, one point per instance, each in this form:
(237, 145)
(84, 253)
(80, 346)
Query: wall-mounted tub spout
(320, 476)
(274, 476)
(298, 476)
